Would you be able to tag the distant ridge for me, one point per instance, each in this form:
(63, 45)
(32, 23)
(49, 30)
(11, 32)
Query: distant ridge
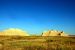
(19, 32)
(14, 32)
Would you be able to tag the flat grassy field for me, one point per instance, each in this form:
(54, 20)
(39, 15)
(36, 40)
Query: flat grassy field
(36, 43)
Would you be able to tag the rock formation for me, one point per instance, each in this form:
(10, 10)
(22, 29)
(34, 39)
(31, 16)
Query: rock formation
(14, 32)
(54, 33)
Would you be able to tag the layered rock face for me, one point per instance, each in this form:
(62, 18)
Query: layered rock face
(14, 32)
(54, 33)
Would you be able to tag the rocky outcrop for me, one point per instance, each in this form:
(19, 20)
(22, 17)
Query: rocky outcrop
(54, 33)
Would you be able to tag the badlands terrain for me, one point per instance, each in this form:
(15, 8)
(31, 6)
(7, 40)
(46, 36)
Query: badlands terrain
(16, 39)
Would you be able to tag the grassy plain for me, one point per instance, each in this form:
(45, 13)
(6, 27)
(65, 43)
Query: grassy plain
(36, 43)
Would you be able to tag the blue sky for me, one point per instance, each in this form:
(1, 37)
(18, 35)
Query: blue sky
(35, 16)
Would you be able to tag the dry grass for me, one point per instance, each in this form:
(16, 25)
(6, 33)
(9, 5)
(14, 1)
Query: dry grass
(36, 43)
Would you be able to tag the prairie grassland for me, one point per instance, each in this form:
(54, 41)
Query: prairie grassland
(36, 43)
